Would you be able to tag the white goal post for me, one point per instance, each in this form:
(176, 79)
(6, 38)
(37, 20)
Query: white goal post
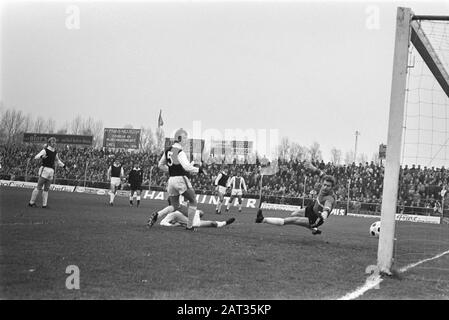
(408, 32)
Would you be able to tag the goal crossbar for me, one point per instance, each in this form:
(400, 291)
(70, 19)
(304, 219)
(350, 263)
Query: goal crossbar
(428, 54)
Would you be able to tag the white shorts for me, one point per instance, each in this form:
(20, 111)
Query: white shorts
(175, 219)
(115, 181)
(46, 173)
(222, 189)
(236, 192)
(178, 185)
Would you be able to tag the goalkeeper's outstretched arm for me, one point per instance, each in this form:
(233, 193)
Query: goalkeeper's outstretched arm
(314, 169)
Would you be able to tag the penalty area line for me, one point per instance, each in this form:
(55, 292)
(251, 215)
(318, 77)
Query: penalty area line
(374, 281)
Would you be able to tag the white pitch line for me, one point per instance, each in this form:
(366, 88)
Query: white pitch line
(404, 269)
(374, 281)
(370, 283)
(20, 224)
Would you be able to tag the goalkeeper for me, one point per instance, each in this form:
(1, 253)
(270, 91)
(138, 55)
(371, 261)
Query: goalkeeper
(313, 215)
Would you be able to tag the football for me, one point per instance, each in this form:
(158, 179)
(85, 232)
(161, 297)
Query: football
(374, 229)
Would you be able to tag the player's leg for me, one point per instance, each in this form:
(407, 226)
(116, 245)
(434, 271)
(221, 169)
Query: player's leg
(190, 196)
(139, 191)
(230, 201)
(300, 221)
(198, 223)
(304, 221)
(173, 202)
(298, 213)
(111, 194)
(215, 224)
(240, 201)
(220, 202)
(45, 193)
(35, 193)
(131, 196)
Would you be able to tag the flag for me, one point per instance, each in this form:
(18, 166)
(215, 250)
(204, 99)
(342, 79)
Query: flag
(160, 122)
(270, 170)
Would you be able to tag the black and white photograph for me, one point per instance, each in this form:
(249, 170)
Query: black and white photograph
(224, 155)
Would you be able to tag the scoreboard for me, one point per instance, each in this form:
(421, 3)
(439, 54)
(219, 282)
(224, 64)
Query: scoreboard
(194, 148)
(121, 138)
(231, 148)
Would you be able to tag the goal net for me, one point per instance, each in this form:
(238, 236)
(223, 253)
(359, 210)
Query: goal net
(415, 216)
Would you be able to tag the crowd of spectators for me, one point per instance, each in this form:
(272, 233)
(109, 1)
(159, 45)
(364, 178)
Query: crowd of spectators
(419, 186)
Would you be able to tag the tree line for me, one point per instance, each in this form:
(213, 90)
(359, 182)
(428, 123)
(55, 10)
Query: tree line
(14, 123)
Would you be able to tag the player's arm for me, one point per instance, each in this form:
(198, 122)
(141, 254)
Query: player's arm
(244, 185)
(314, 169)
(109, 173)
(230, 182)
(182, 157)
(41, 155)
(59, 162)
(163, 163)
(217, 179)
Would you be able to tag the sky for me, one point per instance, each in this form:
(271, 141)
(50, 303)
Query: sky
(309, 71)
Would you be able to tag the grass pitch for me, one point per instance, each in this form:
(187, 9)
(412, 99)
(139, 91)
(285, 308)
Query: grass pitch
(119, 258)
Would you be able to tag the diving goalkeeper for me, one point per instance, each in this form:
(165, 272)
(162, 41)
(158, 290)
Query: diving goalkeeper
(313, 216)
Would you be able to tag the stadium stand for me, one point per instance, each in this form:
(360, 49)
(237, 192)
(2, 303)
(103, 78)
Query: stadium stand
(359, 186)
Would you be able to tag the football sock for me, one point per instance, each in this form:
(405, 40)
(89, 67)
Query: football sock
(165, 211)
(196, 219)
(191, 216)
(275, 221)
(221, 224)
(44, 198)
(34, 195)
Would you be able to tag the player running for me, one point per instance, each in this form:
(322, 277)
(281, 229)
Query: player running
(174, 160)
(49, 157)
(135, 179)
(221, 183)
(237, 184)
(115, 175)
(313, 215)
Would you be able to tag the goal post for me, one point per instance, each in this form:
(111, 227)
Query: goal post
(408, 33)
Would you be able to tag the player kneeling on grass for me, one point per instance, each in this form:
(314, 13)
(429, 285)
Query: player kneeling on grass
(49, 157)
(312, 216)
(179, 218)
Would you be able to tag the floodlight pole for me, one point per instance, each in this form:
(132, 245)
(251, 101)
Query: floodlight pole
(357, 133)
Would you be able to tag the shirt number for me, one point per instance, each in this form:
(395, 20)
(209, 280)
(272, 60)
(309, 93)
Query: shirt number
(169, 158)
